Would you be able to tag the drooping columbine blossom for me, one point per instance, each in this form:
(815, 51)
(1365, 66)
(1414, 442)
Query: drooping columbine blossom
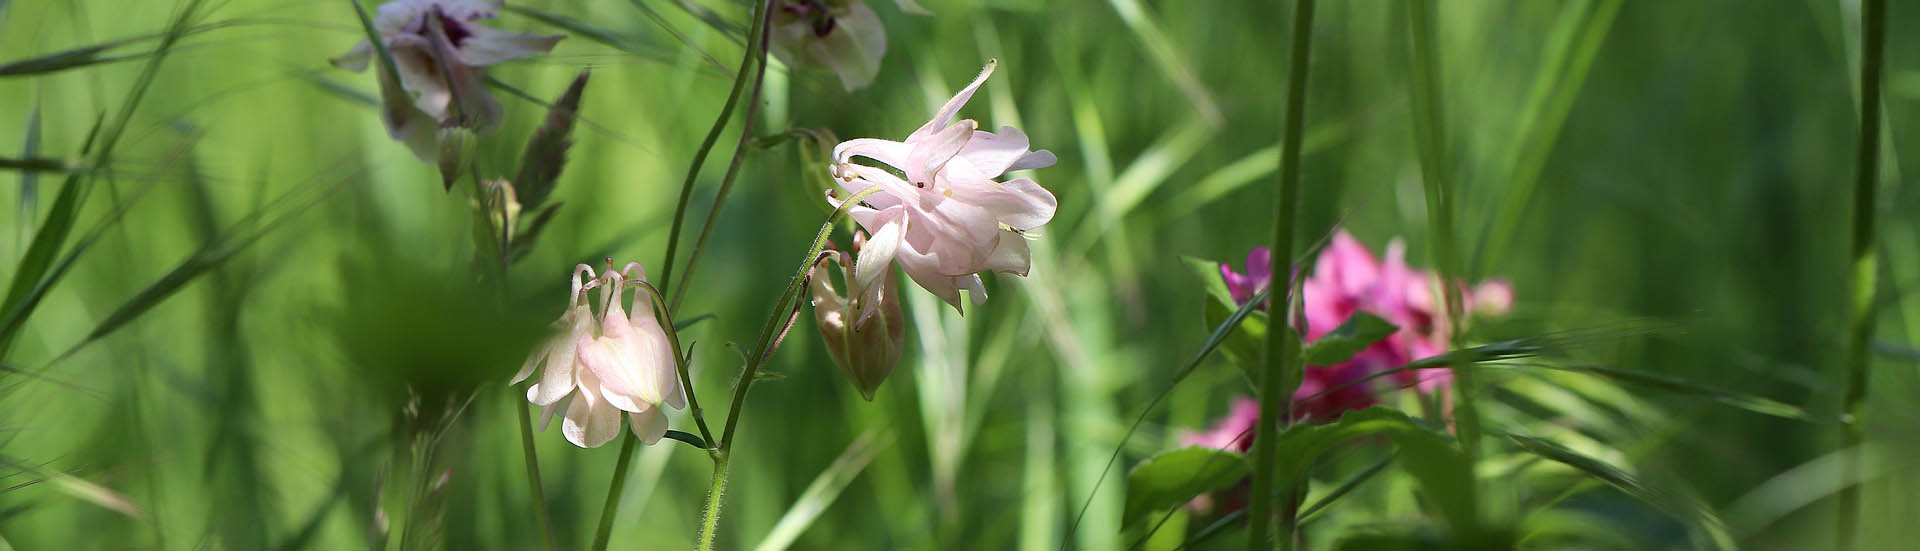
(438, 49)
(948, 219)
(603, 366)
(842, 35)
(1347, 279)
(864, 330)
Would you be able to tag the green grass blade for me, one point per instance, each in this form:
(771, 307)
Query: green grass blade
(1167, 58)
(825, 488)
(1678, 504)
(29, 183)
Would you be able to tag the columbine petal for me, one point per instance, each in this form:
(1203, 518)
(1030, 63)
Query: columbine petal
(996, 154)
(877, 255)
(854, 48)
(1011, 255)
(488, 46)
(649, 425)
(952, 107)
(886, 151)
(1021, 203)
(590, 422)
(931, 154)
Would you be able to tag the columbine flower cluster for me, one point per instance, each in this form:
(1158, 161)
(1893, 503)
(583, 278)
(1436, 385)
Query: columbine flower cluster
(949, 218)
(438, 49)
(599, 367)
(1348, 279)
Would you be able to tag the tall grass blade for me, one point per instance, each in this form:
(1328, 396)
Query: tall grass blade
(1700, 515)
(824, 489)
(29, 183)
(1167, 58)
(1865, 263)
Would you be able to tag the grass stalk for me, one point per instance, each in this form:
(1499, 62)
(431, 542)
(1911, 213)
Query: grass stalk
(1281, 375)
(1865, 263)
(1430, 139)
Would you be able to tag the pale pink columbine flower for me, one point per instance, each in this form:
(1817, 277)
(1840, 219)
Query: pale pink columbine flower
(843, 35)
(1348, 279)
(948, 219)
(604, 366)
(438, 48)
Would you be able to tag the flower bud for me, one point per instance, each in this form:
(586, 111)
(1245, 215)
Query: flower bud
(864, 330)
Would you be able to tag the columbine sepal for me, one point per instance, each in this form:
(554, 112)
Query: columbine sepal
(597, 368)
(865, 329)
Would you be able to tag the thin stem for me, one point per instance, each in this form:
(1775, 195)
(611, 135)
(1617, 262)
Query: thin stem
(1865, 264)
(710, 516)
(1430, 137)
(739, 154)
(1278, 380)
(533, 472)
(613, 493)
(713, 136)
(679, 359)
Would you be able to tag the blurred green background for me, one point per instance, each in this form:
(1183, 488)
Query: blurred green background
(1682, 166)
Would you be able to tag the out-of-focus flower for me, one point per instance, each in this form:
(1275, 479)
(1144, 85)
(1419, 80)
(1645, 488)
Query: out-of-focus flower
(1347, 279)
(1233, 432)
(948, 219)
(842, 35)
(864, 330)
(438, 50)
(607, 365)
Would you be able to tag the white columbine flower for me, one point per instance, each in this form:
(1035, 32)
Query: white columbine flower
(602, 367)
(949, 219)
(439, 50)
(843, 35)
(864, 330)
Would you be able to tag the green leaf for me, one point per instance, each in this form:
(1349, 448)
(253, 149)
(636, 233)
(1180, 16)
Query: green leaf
(1339, 345)
(1748, 402)
(1428, 454)
(1176, 477)
(1209, 273)
(1680, 505)
(825, 488)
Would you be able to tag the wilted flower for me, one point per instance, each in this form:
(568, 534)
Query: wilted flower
(438, 51)
(843, 35)
(864, 329)
(948, 219)
(1348, 279)
(607, 365)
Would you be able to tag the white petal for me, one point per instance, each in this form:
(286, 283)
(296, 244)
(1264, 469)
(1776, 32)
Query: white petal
(1011, 255)
(546, 415)
(854, 48)
(487, 46)
(355, 59)
(590, 423)
(927, 275)
(996, 154)
(619, 401)
(974, 288)
(953, 106)
(877, 257)
(886, 151)
(649, 425)
(1020, 203)
(930, 155)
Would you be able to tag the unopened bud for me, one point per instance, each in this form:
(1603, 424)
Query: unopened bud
(864, 330)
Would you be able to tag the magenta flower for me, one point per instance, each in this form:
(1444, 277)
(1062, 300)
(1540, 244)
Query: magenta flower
(1348, 279)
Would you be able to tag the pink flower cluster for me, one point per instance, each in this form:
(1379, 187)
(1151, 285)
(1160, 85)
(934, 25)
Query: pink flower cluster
(1348, 279)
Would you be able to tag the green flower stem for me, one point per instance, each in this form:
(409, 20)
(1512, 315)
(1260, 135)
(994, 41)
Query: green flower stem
(533, 472)
(776, 322)
(1282, 373)
(739, 154)
(1865, 264)
(713, 135)
(605, 530)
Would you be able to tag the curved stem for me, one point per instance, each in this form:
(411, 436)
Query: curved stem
(1865, 265)
(739, 153)
(713, 136)
(601, 534)
(679, 358)
(533, 474)
(710, 516)
(1279, 378)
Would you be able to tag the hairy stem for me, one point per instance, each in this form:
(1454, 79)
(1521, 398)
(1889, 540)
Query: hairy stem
(1278, 380)
(710, 515)
(1865, 264)
(713, 136)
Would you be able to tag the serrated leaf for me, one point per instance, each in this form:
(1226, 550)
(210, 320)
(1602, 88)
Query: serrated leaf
(1340, 344)
(1176, 477)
